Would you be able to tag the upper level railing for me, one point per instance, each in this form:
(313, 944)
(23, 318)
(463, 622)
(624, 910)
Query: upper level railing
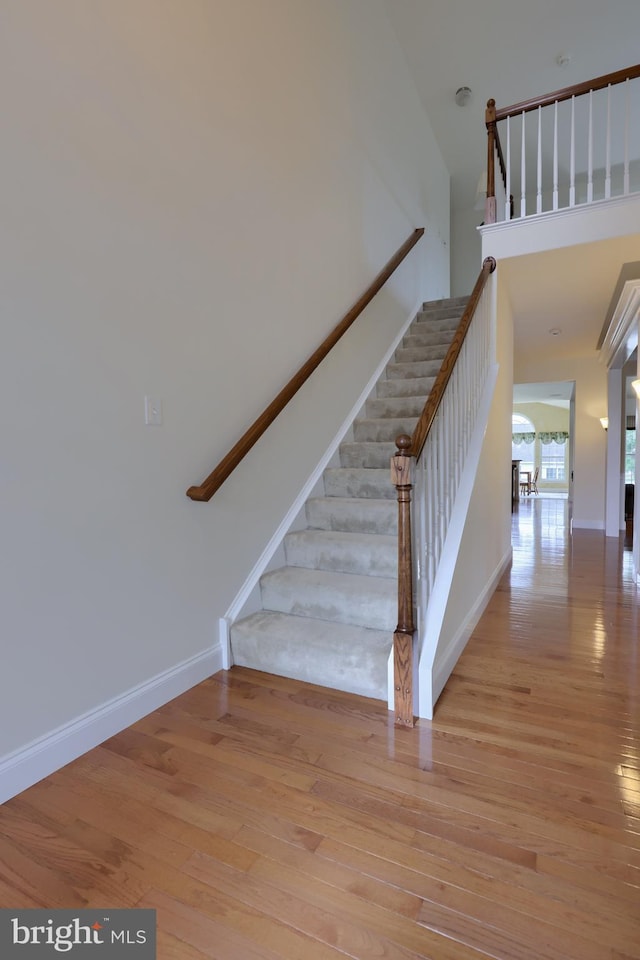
(439, 444)
(582, 144)
(227, 465)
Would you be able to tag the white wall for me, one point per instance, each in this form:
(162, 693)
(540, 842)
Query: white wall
(192, 195)
(466, 250)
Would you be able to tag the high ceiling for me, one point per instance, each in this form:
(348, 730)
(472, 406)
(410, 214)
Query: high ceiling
(507, 50)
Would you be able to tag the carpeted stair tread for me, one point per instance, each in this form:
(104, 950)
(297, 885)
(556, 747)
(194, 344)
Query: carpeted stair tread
(373, 555)
(420, 353)
(394, 407)
(360, 482)
(418, 368)
(325, 595)
(384, 428)
(366, 454)
(409, 387)
(336, 655)
(353, 515)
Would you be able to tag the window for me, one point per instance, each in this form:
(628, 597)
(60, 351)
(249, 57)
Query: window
(523, 442)
(552, 459)
(630, 456)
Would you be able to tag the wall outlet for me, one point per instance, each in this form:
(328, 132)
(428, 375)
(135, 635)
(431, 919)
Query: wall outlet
(153, 411)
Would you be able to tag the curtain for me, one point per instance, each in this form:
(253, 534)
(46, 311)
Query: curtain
(522, 438)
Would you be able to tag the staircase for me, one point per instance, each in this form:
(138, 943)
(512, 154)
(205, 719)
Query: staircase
(328, 616)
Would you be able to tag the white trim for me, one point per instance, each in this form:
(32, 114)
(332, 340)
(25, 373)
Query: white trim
(283, 528)
(578, 524)
(443, 670)
(24, 767)
(621, 338)
(225, 643)
(554, 229)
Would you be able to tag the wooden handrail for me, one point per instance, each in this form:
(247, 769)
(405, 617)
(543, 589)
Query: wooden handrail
(227, 465)
(434, 399)
(599, 83)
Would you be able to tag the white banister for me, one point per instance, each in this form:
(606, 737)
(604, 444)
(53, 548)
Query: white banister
(523, 172)
(555, 155)
(607, 175)
(508, 162)
(627, 112)
(539, 170)
(590, 151)
(572, 158)
(439, 468)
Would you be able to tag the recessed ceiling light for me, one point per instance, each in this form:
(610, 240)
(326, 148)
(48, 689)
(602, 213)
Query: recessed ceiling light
(554, 331)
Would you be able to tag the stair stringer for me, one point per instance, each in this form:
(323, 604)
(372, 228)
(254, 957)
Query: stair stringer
(247, 600)
(436, 655)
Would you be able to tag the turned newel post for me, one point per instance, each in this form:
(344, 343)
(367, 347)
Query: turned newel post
(490, 202)
(401, 466)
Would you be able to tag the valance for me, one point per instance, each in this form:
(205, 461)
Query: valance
(546, 436)
(554, 436)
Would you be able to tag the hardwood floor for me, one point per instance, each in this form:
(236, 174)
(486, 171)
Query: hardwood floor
(265, 819)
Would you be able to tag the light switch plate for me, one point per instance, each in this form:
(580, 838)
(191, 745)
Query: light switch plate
(153, 411)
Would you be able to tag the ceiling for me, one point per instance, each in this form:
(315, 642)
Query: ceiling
(509, 50)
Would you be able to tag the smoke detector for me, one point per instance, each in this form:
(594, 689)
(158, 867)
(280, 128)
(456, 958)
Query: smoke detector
(463, 95)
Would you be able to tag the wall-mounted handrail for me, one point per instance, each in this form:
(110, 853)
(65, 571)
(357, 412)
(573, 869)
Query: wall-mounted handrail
(227, 465)
(408, 451)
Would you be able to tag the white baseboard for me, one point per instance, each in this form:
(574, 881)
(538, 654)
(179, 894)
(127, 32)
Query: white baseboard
(443, 670)
(24, 767)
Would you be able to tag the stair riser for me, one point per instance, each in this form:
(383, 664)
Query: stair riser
(367, 454)
(361, 483)
(415, 340)
(424, 322)
(394, 407)
(421, 354)
(357, 516)
(403, 371)
(413, 387)
(366, 555)
(375, 607)
(383, 430)
(333, 655)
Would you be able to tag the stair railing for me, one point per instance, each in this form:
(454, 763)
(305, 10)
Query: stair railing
(205, 490)
(438, 447)
(582, 146)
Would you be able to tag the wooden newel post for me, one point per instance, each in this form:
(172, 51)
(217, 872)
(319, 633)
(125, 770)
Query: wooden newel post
(401, 464)
(490, 202)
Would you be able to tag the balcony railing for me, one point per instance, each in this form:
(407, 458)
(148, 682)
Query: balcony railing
(575, 146)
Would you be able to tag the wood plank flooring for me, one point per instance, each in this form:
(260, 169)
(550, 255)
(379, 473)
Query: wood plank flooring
(267, 819)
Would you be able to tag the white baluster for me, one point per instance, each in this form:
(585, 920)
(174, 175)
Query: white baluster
(590, 151)
(572, 158)
(607, 178)
(508, 187)
(555, 155)
(626, 135)
(523, 173)
(539, 178)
